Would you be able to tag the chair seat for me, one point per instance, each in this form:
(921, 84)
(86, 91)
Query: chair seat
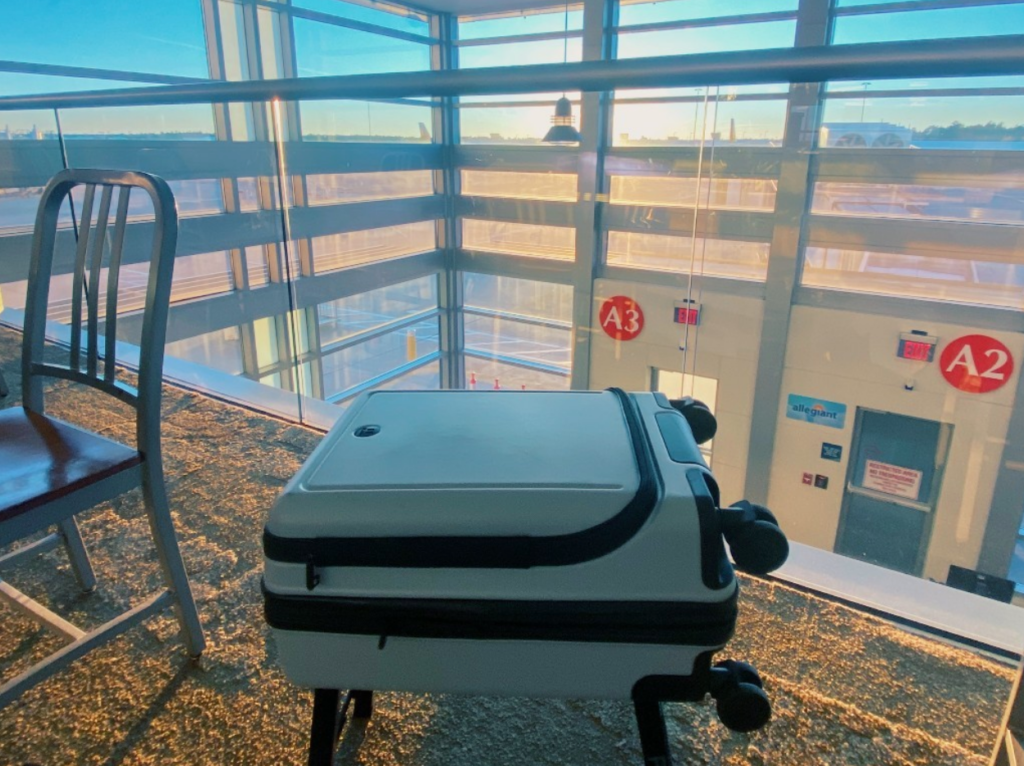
(43, 459)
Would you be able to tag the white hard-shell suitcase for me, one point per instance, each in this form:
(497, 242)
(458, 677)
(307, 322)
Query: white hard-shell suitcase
(560, 544)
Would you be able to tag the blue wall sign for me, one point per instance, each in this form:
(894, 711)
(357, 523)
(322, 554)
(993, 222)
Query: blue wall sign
(818, 411)
(831, 451)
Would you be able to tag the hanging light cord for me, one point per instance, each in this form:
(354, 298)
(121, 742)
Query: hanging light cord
(565, 40)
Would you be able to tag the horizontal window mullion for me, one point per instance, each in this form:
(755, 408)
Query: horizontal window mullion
(376, 332)
(711, 21)
(61, 70)
(520, 158)
(372, 383)
(339, 21)
(990, 242)
(923, 92)
(511, 265)
(730, 162)
(555, 324)
(543, 212)
(700, 99)
(742, 225)
(344, 217)
(915, 166)
(916, 5)
(517, 361)
(524, 38)
(750, 288)
(913, 308)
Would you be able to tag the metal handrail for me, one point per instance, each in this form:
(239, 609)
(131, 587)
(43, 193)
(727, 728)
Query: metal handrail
(999, 55)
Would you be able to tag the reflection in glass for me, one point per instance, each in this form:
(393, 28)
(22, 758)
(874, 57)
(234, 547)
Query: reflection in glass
(351, 248)
(511, 185)
(949, 279)
(534, 240)
(675, 191)
(713, 257)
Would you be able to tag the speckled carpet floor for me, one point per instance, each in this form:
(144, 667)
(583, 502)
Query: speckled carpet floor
(846, 688)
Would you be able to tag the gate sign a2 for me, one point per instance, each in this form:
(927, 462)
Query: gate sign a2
(976, 364)
(621, 317)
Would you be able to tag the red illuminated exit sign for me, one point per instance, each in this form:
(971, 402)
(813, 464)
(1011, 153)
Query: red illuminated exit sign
(687, 313)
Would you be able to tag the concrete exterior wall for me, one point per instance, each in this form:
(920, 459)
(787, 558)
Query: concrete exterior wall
(838, 356)
(851, 358)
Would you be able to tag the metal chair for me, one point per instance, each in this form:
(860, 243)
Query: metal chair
(51, 470)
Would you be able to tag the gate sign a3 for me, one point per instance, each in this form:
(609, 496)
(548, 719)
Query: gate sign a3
(976, 364)
(621, 317)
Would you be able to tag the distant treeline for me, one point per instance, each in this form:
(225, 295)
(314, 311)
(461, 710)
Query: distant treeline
(990, 131)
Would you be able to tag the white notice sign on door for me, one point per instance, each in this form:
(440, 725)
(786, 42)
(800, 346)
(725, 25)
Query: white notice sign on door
(892, 479)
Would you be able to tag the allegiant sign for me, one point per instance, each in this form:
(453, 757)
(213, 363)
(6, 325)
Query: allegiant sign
(817, 411)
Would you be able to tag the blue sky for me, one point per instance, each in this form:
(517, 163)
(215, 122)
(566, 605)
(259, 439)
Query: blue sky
(166, 37)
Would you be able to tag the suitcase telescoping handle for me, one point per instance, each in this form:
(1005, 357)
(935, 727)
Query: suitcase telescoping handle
(757, 543)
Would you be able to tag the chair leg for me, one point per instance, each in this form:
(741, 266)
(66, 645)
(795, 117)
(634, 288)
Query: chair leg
(166, 541)
(77, 553)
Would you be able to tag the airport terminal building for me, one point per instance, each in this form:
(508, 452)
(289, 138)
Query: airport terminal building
(835, 266)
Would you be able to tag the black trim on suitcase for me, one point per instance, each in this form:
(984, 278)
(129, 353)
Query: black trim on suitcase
(715, 570)
(632, 622)
(489, 552)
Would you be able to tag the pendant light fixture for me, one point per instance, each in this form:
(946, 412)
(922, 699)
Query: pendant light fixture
(562, 130)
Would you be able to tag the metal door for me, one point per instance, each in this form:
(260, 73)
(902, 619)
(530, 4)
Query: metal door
(892, 486)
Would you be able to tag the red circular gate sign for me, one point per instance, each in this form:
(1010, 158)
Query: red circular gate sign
(621, 317)
(976, 364)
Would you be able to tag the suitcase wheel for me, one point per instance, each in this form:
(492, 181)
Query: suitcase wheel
(743, 672)
(757, 543)
(744, 707)
(758, 548)
(740, 700)
(698, 416)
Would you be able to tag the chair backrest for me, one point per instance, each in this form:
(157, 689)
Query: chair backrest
(101, 245)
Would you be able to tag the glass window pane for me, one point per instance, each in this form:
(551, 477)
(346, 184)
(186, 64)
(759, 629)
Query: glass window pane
(518, 54)
(332, 188)
(937, 121)
(535, 240)
(516, 125)
(345, 317)
(506, 25)
(383, 15)
(483, 374)
(355, 365)
(525, 297)
(733, 37)
(196, 276)
(929, 24)
(713, 257)
(157, 38)
(219, 349)
(256, 265)
(549, 186)
(752, 123)
(1000, 200)
(673, 191)
(360, 121)
(656, 11)
(325, 49)
(339, 251)
(949, 279)
(499, 336)
(426, 377)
